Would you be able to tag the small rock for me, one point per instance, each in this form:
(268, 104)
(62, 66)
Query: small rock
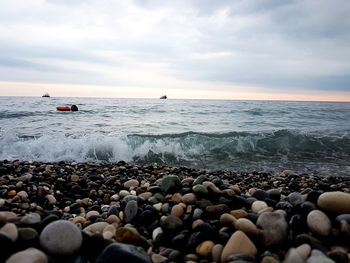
(170, 184)
(319, 223)
(258, 206)
(95, 228)
(204, 249)
(51, 199)
(189, 198)
(128, 235)
(31, 255)
(118, 252)
(131, 183)
(246, 226)
(216, 253)
(31, 219)
(237, 244)
(177, 210)
(130, 210)
(61, 237)
(10, 230)
(336, 202)
(171, 223)
(274, 227)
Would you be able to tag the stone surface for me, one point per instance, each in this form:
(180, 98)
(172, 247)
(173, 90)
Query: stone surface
(31, 219)
(336, 202)
(274, 227)
(319, 223)
(170, 184)
(237, 244)
(10, 230)
(61, 238)
(118, 252)
(131, 183)
(247, 226)
(204, 249)
(130, 210)
(31, 255)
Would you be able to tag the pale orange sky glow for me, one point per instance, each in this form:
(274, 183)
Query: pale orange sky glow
(99, 91)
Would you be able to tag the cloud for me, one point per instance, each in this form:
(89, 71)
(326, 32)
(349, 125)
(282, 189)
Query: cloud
(276, 45)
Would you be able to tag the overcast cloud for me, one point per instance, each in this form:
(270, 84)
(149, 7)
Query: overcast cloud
(271, 44)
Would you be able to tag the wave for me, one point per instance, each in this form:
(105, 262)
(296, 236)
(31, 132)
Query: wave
(190, 148)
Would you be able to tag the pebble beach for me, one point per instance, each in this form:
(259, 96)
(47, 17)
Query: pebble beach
(119, 212)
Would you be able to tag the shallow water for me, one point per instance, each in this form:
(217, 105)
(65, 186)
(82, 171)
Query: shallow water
(307, 137)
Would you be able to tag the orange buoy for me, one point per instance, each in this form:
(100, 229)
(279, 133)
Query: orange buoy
(63, 108)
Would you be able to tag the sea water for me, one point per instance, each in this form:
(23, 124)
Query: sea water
(306, 137)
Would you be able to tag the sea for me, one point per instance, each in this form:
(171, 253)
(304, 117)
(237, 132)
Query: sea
(244, 136)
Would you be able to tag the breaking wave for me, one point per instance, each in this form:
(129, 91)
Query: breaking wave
(220, 150)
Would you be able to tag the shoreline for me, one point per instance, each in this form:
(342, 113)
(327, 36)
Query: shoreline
(162, 213)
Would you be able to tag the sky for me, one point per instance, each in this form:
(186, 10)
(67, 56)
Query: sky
(227, 49)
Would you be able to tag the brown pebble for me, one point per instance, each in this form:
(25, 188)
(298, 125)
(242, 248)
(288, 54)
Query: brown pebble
(189, 198)
(177, 210)
(204, 249)
(239, 213)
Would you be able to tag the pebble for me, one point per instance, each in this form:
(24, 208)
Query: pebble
(31, 219)
(335, 202)
(204, 249)
(61, 237)
(177, 210)
(319, 223)
(247, 226)
(274, 227)
(9, 230)
(170, 184)
(132, 183)
(127, 235)
(258, 206)
(189, 198)
(237, 244)
(118, 252)
(95, 228)
(171, 223)
(130, 210)
(31, 255)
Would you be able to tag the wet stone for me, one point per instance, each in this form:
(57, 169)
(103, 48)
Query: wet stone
(118, 252)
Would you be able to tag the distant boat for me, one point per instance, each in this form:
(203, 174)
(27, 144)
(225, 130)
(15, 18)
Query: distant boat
(46, 95)
(163, 97)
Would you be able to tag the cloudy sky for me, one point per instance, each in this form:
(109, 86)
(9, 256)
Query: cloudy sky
(238, 49)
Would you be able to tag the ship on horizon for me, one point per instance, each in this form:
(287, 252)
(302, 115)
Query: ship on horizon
(46, 95)
(163, 97)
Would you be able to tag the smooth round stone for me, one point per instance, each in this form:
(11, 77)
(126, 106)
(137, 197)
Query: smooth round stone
(170, 184)
(78, 219)
(227, 219)
(130, 210)
(7, 215)
(131, 183)
(239, 243)
(274, 194)
(127, 235)
(91, 213)
(61, 237)
(197, 213)
(200, 179)
(177, 210)
(274, 227)
(319, 223)
(200, 189)
(118, 252)
(123, 193)
(95, 228)
(189, 198)
(158, 206)
(258, 206)
(146, 195)
(156, 258)
(260, 194)
(74, 178)
(246, 226)
(176, 198)
(293, 256)
(10, 230)
(239, 213)
(295, 198)
(335, 202)
(270, 259)
(304, 251)
(204, 249)
(217, 209)
(113, 219)
(31, 219)
(51, 199)
(31, 255)
(171, 223)
(157, 231)
(216, 252)
(23, 195)
(27, 234)
(212, 187)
